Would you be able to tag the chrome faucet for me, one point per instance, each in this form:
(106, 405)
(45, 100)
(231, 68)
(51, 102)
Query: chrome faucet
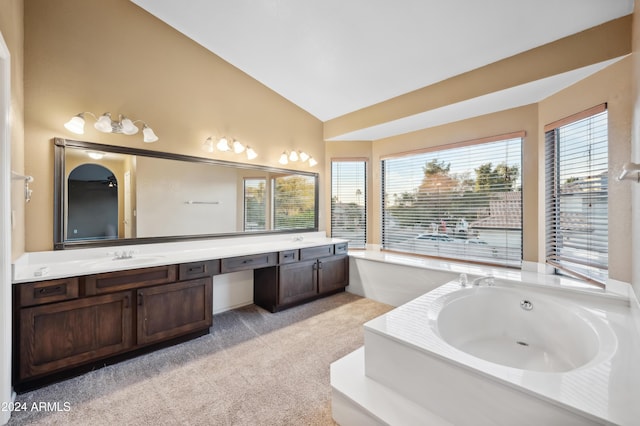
(124, 254)
(489, 279)
(298, 238)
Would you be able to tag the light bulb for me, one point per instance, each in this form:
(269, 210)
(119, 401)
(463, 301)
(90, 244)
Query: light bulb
(304, 156)
(293, 156)
(237, 147)
(223, 144)
(312, 162)
(283, 159)
(104, 123)
(76, 124)
(148, 134)
(128, 128)
(208, 145)
(251, 154)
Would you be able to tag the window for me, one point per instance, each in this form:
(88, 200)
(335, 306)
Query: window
(254, 204)
(294, 199)
(349, 201)
(576, 195)
(461, 201)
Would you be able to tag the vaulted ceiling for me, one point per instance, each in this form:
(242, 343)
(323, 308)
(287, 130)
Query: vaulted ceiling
(334, 58)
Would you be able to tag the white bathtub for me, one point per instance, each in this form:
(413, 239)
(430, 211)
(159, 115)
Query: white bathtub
(517, 328)
(474, 356)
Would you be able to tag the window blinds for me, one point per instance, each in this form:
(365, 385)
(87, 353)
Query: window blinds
(254, 204)
(349, 201)
(576, 197)
(461, 202)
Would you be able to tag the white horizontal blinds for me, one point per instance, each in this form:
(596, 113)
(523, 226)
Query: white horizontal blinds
(293, 202)
(254, 204)
(462, 202)
(576, 197)
(349, 201)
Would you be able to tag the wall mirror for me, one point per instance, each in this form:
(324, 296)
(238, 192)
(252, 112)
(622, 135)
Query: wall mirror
(109, 195)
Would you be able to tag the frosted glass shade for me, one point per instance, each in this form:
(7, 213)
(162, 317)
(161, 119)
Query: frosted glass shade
(75, 125)
(148, 134)
(104, 123)
(283, 159)
(128, 128)
(223, 144)
(251, 154)
(237, 147)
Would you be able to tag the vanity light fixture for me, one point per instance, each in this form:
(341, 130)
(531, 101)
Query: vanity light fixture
(106, 124)
(287, 156)
(284, 158)
(223, 146)
(238, 148)
(251, 154)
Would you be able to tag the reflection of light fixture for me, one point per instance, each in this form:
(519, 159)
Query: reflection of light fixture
(237, 147)
(106, 124)
(283, 158)
(223, 144)
(312, 162)
(95, 155)
(251, 154)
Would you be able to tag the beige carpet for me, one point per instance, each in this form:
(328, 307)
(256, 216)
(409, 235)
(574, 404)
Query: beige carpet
(256, 368)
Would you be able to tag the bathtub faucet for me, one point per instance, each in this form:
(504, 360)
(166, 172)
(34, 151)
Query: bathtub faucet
(489, 279)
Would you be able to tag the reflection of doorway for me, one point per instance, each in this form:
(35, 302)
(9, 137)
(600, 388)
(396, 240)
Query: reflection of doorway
(93, 203)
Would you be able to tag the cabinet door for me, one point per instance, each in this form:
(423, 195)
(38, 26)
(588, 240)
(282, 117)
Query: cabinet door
(172, 310)
(297, 281)
(333, 273)
(65, 334)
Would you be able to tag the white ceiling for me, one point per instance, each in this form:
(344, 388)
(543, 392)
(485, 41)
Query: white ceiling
(333, 57)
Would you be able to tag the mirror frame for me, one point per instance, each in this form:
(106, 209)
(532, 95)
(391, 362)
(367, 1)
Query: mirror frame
(60, 199)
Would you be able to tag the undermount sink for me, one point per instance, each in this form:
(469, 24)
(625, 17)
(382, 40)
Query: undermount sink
(132, 261)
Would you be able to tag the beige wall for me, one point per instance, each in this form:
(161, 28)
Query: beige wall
(611, 85)
(12, 29)
(113, 56)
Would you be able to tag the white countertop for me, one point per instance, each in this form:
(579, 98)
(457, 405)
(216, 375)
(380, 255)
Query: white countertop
(67, 263)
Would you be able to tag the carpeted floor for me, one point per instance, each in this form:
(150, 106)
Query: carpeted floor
(256, 368)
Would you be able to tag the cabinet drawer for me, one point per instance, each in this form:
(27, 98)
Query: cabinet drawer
(242, 263)
(315, 252)
(124, 280)
(206, 268)
(342, 248)
(42, 292)
(288, 256)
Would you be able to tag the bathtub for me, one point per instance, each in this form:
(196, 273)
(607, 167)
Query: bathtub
(510, 353)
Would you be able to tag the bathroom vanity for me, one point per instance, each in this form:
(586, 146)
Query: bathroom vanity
(62, 325)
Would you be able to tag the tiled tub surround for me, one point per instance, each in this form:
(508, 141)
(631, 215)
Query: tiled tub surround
(406, 359)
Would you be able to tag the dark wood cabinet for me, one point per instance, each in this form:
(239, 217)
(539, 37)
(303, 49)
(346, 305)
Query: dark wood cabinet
(69, 325)
(333, 273)
(297, 281)
(62, 335)
(174, 309)
(318, 272)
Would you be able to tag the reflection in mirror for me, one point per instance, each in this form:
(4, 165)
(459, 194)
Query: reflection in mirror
(108, 195)
(93, 203)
